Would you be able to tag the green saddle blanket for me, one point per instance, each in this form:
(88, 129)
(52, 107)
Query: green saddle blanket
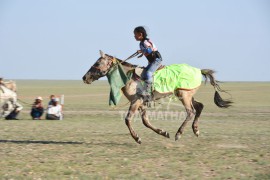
(177, 76)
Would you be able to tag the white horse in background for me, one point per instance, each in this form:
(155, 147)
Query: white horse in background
(5, 95)
(10, 85)
(7, 90)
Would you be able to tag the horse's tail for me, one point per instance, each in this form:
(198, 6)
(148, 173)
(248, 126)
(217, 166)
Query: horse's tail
(208, 73)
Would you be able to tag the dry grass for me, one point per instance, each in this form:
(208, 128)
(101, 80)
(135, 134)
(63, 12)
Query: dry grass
(92, 142)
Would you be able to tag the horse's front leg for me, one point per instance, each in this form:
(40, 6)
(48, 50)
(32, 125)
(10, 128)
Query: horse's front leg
(146, 122)
(130, 115)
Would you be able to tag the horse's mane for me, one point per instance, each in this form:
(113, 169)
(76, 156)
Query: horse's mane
(123, 62)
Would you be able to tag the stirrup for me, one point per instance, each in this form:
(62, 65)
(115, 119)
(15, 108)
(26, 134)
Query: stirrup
(147, 97)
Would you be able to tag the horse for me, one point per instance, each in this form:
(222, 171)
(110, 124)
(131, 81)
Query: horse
(131, 89)
(10, 85)
(5, 95)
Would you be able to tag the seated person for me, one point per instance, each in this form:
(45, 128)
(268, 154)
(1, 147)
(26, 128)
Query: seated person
(52, 98)
(37, 108)
(11, 109)
(54, 112)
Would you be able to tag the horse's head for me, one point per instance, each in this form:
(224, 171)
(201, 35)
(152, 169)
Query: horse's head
(100, 68)
(10, 85)
(6, 93)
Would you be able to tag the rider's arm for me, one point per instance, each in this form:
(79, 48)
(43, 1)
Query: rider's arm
(147, 50)
(147, 47)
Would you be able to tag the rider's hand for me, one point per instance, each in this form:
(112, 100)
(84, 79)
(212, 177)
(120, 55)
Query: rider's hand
(139, 51)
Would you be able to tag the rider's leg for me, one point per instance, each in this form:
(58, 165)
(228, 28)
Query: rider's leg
(148, 76)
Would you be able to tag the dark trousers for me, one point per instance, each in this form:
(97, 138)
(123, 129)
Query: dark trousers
(13, 115)
(36, 112)
(52, 117)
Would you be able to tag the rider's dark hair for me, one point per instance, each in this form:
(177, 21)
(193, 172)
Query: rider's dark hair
(141, 29)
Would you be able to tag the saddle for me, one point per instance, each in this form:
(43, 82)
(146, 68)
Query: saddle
(140, 70)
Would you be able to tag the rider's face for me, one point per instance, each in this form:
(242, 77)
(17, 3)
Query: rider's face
(138, 36)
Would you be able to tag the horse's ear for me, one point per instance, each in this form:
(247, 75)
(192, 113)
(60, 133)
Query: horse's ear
(114, 60)
(102, 54)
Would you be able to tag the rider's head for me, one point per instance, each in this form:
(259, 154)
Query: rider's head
(140, 33)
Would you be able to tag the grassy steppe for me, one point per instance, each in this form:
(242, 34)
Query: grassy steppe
(93, 142)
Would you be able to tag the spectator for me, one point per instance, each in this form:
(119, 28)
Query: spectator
(52, 97)
(54, 111)
(37, 108)
(11, 109)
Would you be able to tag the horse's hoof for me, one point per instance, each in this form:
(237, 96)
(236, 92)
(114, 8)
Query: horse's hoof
(177, 136)
(197, 133)
(139, 141)
(167, 135)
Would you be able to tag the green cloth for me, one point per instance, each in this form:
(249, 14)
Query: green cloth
(117, 79)
(177, 76)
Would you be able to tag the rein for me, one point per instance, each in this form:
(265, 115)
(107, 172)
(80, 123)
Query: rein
(115, 62)
(112, 62)
(26, 103)
(130, 57)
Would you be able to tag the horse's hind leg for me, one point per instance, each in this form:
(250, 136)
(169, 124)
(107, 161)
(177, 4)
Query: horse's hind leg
(186, 98)
(198, 107)
(146, 122)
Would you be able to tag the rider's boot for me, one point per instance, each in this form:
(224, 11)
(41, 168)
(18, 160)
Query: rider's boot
(147, 92)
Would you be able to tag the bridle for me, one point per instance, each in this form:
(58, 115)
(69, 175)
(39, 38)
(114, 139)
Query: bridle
(99, 72)
(110, 61)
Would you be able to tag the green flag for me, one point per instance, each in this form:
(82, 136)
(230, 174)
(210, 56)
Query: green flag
(117, 79)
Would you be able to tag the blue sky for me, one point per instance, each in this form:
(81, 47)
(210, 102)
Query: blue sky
(61, 39)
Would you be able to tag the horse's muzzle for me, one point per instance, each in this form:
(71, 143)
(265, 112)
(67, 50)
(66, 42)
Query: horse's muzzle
(87, 81)
(84, 80)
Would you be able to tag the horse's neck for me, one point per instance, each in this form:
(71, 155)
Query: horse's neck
(127, 66)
